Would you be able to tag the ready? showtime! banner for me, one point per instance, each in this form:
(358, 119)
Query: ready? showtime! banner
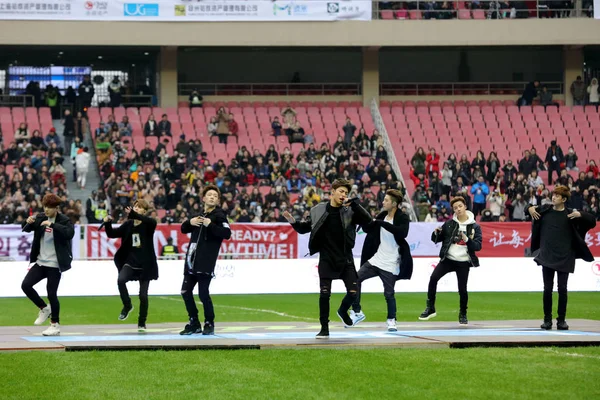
(272, 241)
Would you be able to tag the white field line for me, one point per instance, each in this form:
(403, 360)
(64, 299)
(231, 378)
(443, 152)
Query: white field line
(571, 354)
(262, 310)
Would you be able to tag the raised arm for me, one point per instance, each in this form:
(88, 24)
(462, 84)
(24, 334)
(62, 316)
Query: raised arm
(64, 229)
(475, 243)
(147, 220)
(220, 229)
(400, 230)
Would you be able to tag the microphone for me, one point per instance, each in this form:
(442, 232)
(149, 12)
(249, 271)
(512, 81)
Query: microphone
(36, 217)
(102, 225)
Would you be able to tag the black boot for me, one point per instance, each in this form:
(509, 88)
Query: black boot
(324, 332)
(209, 328)
(192, 328)
(429, 311)
(547, 325)
(462, 318)
(561, 325)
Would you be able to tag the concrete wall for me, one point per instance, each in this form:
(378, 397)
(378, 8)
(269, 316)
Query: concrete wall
(566, 31)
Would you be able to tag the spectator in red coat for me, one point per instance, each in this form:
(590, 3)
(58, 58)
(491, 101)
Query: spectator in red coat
(233, 126)
(432, 163)
(251, 179)
(418, 179)
(209, 175)
(593, 168)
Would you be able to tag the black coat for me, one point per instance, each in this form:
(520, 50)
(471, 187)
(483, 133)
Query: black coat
(580, 227)
(63, 232)
(351, 216)
(450, 231)
(207, 240)
(150, 271)
(399, 228)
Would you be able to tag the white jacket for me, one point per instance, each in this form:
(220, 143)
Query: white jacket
(82, 160)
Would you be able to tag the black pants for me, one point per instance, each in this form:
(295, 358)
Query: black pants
(462, 274)
(563, 278)
(553, 168)
(33, 277)
(350, 281)
(187, 292)
(223, 138)
(128, 274)
(478, 208)
(368, 271)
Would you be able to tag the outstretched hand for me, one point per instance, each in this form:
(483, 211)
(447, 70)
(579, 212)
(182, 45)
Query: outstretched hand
(534, 214)
(289, 217)
(574, 214)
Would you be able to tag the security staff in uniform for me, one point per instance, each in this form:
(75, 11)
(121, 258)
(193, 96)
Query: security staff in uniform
(170, 250)
(100, 213)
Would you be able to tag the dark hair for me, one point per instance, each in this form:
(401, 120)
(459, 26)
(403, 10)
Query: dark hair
(458, 199)
(338, 183)
(562, 191)
(51, 200)
(396, 195)
(208, 188)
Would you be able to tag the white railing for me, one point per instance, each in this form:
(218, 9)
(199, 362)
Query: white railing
(387, 145)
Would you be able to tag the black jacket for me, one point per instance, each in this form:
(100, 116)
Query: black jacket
(580, 227)
(450, 231)
(63, 232)
(206, 241)
(399, 229)
(351, 216)
(150, 271)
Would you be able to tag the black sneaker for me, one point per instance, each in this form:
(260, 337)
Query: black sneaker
(345, 318)
(428, 313)
(125, 313)
(561, 325)
(209, 329)
(191, 329)
(323, 334)
(462, 319)
(547, 325)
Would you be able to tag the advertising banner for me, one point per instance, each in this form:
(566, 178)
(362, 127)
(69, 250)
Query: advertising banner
(185, 10)
(299, 276)
(274, 241)
(15, 245)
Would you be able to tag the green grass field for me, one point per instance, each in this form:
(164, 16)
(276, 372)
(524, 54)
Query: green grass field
(540, 373)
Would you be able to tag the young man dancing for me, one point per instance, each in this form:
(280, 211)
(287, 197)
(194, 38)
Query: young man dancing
(332, 227)
(136, 258)
(208, 232)
(557, 239)
(461, 238)
(51, 256)
(385, 254)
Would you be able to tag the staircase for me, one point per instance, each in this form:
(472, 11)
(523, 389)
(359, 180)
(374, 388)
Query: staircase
(93, 176)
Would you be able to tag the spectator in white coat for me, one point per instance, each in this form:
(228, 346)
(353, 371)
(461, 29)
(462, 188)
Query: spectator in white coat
(82, 163)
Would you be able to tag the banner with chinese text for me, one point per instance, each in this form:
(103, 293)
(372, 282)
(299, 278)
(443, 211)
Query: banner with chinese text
(186, 10)
(15, 245)
(273, 241)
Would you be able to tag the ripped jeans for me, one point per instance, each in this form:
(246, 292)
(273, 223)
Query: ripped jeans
(187, 292)
(350, 278)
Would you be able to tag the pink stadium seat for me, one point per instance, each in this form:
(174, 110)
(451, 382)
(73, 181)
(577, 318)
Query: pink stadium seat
(387, 14)
(464, 14)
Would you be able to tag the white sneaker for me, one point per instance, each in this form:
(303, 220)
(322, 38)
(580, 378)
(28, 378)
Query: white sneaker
(391, 324)
(53, 330)
(357, 317)
(43, 315)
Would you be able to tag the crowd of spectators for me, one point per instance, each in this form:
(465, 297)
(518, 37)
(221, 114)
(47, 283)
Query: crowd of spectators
(497, 190)
(256, 187)
(494, 9)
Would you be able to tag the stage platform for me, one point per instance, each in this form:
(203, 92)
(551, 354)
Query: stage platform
(267, 335)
